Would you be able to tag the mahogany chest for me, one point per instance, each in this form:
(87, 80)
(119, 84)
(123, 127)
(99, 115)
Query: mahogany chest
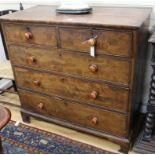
(60, 80)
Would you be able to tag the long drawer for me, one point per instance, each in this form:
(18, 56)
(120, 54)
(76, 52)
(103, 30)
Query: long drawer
(97, 94)
(75, 113)
(31, 34)
(98, 68)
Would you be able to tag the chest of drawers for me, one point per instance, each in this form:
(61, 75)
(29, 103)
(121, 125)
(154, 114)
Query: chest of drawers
(59, 81)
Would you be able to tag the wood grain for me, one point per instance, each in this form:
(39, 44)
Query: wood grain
(49, 53)
(75, 113)
(110, 97)
(107, 42)
(109, 69)
(16, 33)
(110, 17)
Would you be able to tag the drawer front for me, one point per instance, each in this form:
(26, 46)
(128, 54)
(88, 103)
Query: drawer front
(73, 39)
(75, 113)
(100, 68)
(34, 34)
(108, 42)
(84, 91)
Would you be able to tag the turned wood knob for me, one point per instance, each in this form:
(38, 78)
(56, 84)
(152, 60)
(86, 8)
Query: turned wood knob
(94, 120)
(31, 60)
(93, 68)
(36, 82)
(94, 94)
(28, 35)
(41, 106)
(91, 41)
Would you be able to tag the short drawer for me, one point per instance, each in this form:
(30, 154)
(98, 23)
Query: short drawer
(75, 113)
(110, 42)
(96, 94)
(99, 68)
(34, 34)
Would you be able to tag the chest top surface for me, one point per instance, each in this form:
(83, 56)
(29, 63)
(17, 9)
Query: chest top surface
(122, 17)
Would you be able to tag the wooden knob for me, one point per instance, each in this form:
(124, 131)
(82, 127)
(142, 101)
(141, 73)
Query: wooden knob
(94, 94)
(36, 82)
(92, 42)
(41, 106)
(31, 60)
(94, 120)
(28, 35)
(93, 68)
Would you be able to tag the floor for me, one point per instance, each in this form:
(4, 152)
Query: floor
(14, 105)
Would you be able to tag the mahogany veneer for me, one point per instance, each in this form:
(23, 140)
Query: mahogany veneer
(59, 81)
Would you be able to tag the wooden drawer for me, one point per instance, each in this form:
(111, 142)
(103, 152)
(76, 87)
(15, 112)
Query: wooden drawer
(108, 42)
(97, 94)
(98, 68)
(75, 113)
(34, 34)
